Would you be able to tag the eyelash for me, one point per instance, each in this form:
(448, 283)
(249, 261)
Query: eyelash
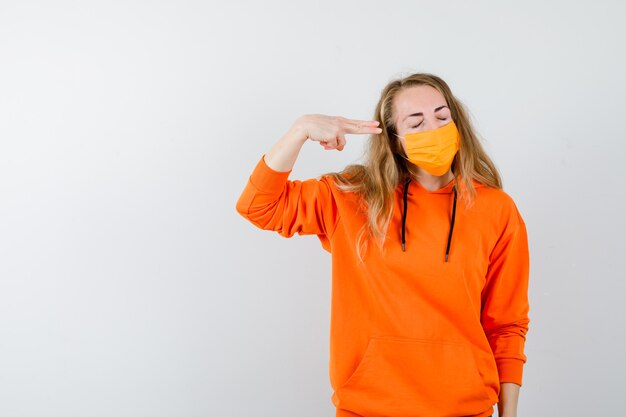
(413, 127)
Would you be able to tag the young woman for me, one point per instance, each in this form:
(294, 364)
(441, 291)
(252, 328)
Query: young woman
(430, 260)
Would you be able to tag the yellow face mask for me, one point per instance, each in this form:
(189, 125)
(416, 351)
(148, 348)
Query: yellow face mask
(433, 150)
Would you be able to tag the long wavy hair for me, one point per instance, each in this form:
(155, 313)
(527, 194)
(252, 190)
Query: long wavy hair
(386, 165)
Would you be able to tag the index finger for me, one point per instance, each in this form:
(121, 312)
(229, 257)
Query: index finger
(362, 126)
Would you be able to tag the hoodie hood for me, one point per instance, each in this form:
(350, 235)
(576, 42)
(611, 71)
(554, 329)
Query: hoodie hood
(450, 188)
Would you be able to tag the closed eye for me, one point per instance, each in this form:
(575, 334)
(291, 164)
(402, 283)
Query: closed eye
(418, 125)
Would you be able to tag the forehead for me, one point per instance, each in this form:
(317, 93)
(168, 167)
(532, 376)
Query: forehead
(418, 98)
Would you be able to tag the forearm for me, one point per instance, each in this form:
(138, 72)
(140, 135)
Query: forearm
(282, 156)
(507, 403)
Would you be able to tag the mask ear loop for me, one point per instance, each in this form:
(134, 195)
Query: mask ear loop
(405, 157)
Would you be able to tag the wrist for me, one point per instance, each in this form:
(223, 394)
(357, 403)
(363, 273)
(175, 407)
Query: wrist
(297, 132)
(506, 411)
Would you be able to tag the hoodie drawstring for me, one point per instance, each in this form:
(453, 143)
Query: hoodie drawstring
(451, 223)
(406, 190)
(404, 212)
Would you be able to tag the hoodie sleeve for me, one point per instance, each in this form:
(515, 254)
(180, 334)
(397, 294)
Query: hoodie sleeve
(505, 307)
(273, 202)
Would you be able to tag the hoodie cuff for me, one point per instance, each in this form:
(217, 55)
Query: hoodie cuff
(268, 180)
(510, 370)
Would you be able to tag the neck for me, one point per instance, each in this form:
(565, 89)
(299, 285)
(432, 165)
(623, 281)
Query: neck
(434, 182)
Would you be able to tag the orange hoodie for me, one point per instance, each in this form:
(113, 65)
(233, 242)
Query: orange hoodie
(412, 334)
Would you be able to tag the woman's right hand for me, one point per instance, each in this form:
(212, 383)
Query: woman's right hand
(330, 131)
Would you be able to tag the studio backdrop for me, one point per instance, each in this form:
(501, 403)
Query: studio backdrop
(129, 284)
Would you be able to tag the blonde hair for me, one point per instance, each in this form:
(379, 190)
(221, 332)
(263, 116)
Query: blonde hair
(386, 165)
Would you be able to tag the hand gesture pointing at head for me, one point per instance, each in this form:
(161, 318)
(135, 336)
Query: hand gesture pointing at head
(330, 131)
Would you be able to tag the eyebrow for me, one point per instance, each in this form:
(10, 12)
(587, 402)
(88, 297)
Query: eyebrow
(421, 114)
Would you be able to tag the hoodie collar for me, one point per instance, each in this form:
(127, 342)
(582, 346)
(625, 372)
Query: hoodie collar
(446, 189)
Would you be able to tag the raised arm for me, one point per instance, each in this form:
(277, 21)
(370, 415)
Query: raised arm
(272, 202)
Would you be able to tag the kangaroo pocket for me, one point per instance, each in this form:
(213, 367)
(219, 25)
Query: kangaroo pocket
(400, 377)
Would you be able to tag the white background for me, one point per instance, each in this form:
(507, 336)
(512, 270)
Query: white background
(130, 286)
